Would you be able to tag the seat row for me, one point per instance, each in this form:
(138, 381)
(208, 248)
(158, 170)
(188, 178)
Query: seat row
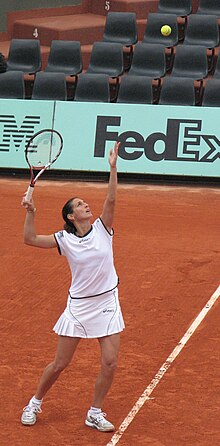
(96, 88)
(148, 59)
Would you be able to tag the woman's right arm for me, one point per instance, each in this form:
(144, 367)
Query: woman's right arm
(30, 236)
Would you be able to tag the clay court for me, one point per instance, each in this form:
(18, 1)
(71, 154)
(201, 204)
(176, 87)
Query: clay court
(167, 255)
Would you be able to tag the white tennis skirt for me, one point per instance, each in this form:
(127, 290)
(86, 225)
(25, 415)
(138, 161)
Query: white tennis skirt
(92, 317)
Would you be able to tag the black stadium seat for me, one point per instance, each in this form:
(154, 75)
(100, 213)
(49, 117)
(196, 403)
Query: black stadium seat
(65, 57)
(211, 96)
(209, 7)
(106, 58)
(152, 33)
(121, 27)
(202, 30)
(177, 91)
(181, 8)
(50, 86)
(135, 90)
(148, 60)
(12, 85)
(190, 61)
(24, 55)
(92, 88)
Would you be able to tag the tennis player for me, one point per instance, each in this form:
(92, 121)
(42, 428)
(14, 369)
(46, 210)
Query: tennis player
(93, 309)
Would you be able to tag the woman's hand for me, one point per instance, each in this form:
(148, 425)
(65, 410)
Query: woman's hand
(114, 155)
(28, 205)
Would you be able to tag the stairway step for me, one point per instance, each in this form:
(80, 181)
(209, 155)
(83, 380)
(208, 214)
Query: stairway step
(86, 28)
(140, 7)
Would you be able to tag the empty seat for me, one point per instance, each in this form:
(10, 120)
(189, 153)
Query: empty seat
(106, 58)
(50, 86)
(65, 57)
(211, 96)
(92, 87)
(217, 69)
(121, 27)
(12, 85)
(209, 7)
(135, 90)
(177, 91)
(181, 8)
(148, 60)
(202, 30)
(190, 61)
(152, 33)
(3, 63)
(24, 55)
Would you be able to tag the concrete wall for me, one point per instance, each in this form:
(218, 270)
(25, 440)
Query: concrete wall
(8, 6)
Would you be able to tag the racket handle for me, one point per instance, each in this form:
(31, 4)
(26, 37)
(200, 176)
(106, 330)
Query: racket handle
(29, 193)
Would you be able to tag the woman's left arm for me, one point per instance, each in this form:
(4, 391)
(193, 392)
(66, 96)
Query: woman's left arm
(109, 204)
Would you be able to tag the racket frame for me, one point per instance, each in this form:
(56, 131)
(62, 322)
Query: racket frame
(42, 169)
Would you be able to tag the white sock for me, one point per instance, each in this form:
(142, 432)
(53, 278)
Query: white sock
(35, 401)
(95, 410)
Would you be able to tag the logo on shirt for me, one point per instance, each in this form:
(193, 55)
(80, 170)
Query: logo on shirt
(60, 234)
(83, 240)
(108, 311)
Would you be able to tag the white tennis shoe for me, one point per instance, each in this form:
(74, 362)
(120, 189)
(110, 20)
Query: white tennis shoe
(98, 421)
(29, 415)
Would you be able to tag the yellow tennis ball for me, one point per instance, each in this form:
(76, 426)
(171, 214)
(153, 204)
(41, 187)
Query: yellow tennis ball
(165, 30)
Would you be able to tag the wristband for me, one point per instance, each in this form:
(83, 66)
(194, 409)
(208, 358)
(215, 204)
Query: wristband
(31, 211)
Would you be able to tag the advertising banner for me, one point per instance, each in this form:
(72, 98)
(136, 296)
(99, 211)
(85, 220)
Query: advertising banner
(161, 140)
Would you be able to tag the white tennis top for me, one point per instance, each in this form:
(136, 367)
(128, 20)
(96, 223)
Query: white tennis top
(90, 259)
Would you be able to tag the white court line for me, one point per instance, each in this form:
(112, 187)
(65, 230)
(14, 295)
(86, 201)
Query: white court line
(161, 372)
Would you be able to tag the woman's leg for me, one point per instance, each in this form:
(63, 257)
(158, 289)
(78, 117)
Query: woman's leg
(65, 350)
(109, 355)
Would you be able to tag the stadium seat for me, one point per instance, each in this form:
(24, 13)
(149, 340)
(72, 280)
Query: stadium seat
(209, 7)
(50, 86)
(106, 58)
(65, 57)
(92, 88)
(12, 85)
(202, 30)
(190, 61)
(217, 69)
(152, 33)
(181, 8)
(24, 55)
(177, 91)
(135, 90)
(148, 60)
(211, 96)
(121, 27)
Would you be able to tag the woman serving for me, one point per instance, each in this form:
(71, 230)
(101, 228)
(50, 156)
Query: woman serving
(93, 309)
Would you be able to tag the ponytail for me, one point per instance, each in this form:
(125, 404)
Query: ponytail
(68, 209)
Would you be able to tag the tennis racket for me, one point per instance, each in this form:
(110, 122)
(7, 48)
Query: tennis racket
(42, 150)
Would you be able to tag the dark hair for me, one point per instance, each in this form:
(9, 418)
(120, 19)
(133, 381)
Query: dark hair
(3, 63)
(68, 209)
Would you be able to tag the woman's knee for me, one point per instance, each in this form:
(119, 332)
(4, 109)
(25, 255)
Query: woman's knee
(109, 365)
(59, 365)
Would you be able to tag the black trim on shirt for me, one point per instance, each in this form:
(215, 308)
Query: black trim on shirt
(106, 228)
(58, 246)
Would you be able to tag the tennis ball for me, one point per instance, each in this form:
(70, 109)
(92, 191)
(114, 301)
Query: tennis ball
(165, 30)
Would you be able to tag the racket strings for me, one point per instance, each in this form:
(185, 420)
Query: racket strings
(43, 149)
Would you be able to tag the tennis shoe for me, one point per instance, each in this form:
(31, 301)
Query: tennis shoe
(98, 421)
(29, 415)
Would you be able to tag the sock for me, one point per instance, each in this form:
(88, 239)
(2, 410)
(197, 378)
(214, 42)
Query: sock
(35, 401)
(95, 410)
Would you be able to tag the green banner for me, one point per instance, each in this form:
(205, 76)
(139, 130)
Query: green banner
(155, 139)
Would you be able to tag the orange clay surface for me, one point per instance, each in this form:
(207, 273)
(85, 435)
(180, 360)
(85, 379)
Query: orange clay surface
(167, 254)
